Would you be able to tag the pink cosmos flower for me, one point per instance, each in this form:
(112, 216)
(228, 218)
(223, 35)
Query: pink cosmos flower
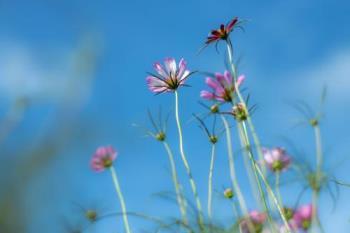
(276, 159)
(168, 78)
(257, 220)
(222, 87)
(303, 216)
(103, 158)
(223, 32)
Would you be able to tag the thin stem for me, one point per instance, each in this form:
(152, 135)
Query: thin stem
(184, 159)
(210, 181)
(246, 144)
(249, 170)
(235, 186)
(179, 196)
(257, 168)
(268, 187)
(277, 187)
(315, 193)
(121, 199)
(241, 99)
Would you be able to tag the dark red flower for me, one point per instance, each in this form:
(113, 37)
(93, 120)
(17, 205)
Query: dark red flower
(223, 32)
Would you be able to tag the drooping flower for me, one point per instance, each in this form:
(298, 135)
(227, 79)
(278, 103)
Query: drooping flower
(303, 216)
(276, 159)
(223, 32)
(168, 78)
(222, 87)
(103, 158)
(256, 219)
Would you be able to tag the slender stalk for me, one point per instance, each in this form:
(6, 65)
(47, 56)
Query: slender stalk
(256, 167)
(235, 186)
(277, 187)
(241, 99)
(252, 180)
(184, 159)
(245, 144)
(263, 178)
(210, 181)
(179, 196)
(315, 192)
(121, 199)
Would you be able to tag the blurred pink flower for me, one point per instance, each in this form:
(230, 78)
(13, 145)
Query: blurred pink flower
(303, 216)
(222, 87)
(169, 78)
(222, 33)
(103, 158)
(257, 220)
(276, 159)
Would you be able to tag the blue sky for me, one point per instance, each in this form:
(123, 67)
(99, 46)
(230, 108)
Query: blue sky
(288, 52)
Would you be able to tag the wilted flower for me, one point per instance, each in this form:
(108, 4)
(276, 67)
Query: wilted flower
(223, 32)
(303, 216)
(103, 158)
(276, 159)
(228, 193)
(256, 219)
(222, 87)
(169, 78)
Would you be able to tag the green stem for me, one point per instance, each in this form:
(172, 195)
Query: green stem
(246, 144)
(241, 99)
(185, 162)
(121, 199)
(277, 188)
(235, 186)
(252, 180)
(315, 193)
(256, 167)
(179, 196)
(210, 181)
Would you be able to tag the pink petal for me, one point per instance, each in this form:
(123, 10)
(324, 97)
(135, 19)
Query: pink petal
(207, 95)
(160, 70)
(240, 80)
(155, 85)
(211, 83)
(170, 65)
(182, 68)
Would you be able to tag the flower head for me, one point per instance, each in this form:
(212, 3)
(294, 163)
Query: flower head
(303, 216)
(222, 87)
(276, 159)
(168, 78)
(257, 219)
(223, 32)
(103, 158)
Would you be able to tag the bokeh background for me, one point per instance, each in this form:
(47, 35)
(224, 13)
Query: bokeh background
(72, 78)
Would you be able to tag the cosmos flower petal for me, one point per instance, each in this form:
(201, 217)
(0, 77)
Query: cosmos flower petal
(240, 80)
(160, 69)
(231, 24)
(207, 95)
(182, 67)
(170, 65)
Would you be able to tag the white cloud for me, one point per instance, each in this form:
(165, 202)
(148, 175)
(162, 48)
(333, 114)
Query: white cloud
(25, 73)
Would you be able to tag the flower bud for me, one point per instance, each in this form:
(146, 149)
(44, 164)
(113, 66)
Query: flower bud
(228, 193)
(240, 112)
(160, 136)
